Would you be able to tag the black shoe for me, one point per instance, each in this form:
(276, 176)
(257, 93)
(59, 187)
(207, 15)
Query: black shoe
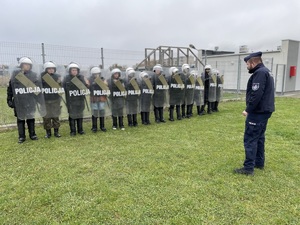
(81, 132)
(73, 133)
(21, 140)
(171, 119)
(157, 121)
(243, 171)
(259, 167)
(162, 121)
(34, 137)
(94, 130)
(103, 129)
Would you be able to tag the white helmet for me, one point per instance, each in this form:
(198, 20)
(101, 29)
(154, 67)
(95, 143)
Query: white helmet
(95, 70)
(25, 60)
(194, 73)
(157, 67)
(144, 75)
(185, 67)
(129, 68)
(173, 70)
(49, 65)
(129, 71)
(73, 65)
(215, 72)
(207, 67)
(116, 70)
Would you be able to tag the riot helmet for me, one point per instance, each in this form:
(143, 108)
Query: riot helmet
(185, 68)
(49, 65)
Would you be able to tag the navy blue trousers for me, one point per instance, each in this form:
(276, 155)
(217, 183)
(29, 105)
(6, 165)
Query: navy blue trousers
(254, 140)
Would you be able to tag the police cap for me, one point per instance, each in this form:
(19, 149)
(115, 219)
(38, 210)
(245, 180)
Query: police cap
(254, 54)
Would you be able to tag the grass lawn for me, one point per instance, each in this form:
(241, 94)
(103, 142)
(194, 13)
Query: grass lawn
(174, 173)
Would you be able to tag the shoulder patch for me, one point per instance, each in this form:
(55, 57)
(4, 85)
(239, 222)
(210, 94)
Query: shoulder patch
(255, 86)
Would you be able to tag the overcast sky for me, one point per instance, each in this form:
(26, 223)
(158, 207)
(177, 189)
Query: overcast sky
(136, 24)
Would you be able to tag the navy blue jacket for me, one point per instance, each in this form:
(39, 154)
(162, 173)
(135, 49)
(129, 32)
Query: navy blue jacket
(260, 91)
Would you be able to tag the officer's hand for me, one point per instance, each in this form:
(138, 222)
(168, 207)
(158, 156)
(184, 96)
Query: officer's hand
(244, 113)
(10, 103)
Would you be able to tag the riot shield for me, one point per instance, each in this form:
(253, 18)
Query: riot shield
(176, 87)
(199, 91)
(28, 97)
(189, 89)
(77, 94)
(99, 96)
(147, 92)
(53, 94)
(133, 92)
(212, 90)
(117, 96)
(220, 82)
(161, 88)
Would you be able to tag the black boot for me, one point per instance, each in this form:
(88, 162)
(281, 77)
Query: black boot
(48, 133)
(21, 130)
(212, 106)
(199, 110)
(143, 115)
(209, 108)
(161, 114)
(202, 111)
(121, 124)
(171, 113)
(31, 128)
(182, 111)
(72, 126)
(156, 115)
(102, 127)
(80, 126)
(178, 112)
(147, 118)
(129, 118)
(56, 133)
(115, 123)
(216, 106)
(134, 118)
(94, 124)
(188, 113)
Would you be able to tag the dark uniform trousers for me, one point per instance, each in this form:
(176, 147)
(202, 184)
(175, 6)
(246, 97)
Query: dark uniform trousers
(254, 140)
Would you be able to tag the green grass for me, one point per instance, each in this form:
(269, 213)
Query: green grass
(174, 173)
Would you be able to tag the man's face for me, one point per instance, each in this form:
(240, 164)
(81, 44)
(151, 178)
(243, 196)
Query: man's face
(249, 65)
(207, 70)
(50, 70)
(26, 66)
(74, 71)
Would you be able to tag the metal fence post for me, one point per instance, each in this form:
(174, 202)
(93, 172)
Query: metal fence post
(102, 58)
(238, 85)
(43, 53)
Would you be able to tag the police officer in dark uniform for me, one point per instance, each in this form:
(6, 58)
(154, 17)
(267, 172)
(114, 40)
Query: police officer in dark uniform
(160, 93)
(259, 108)
(117, 98)
(176, 92)
(24, 95)
(205, 78)
(76, 89)
(132, 99)
(147, 92)
(98, 98)
(52, 90)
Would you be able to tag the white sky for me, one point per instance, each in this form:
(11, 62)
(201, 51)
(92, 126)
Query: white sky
(137, 24)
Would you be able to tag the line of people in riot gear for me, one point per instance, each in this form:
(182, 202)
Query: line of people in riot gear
(42, 95)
